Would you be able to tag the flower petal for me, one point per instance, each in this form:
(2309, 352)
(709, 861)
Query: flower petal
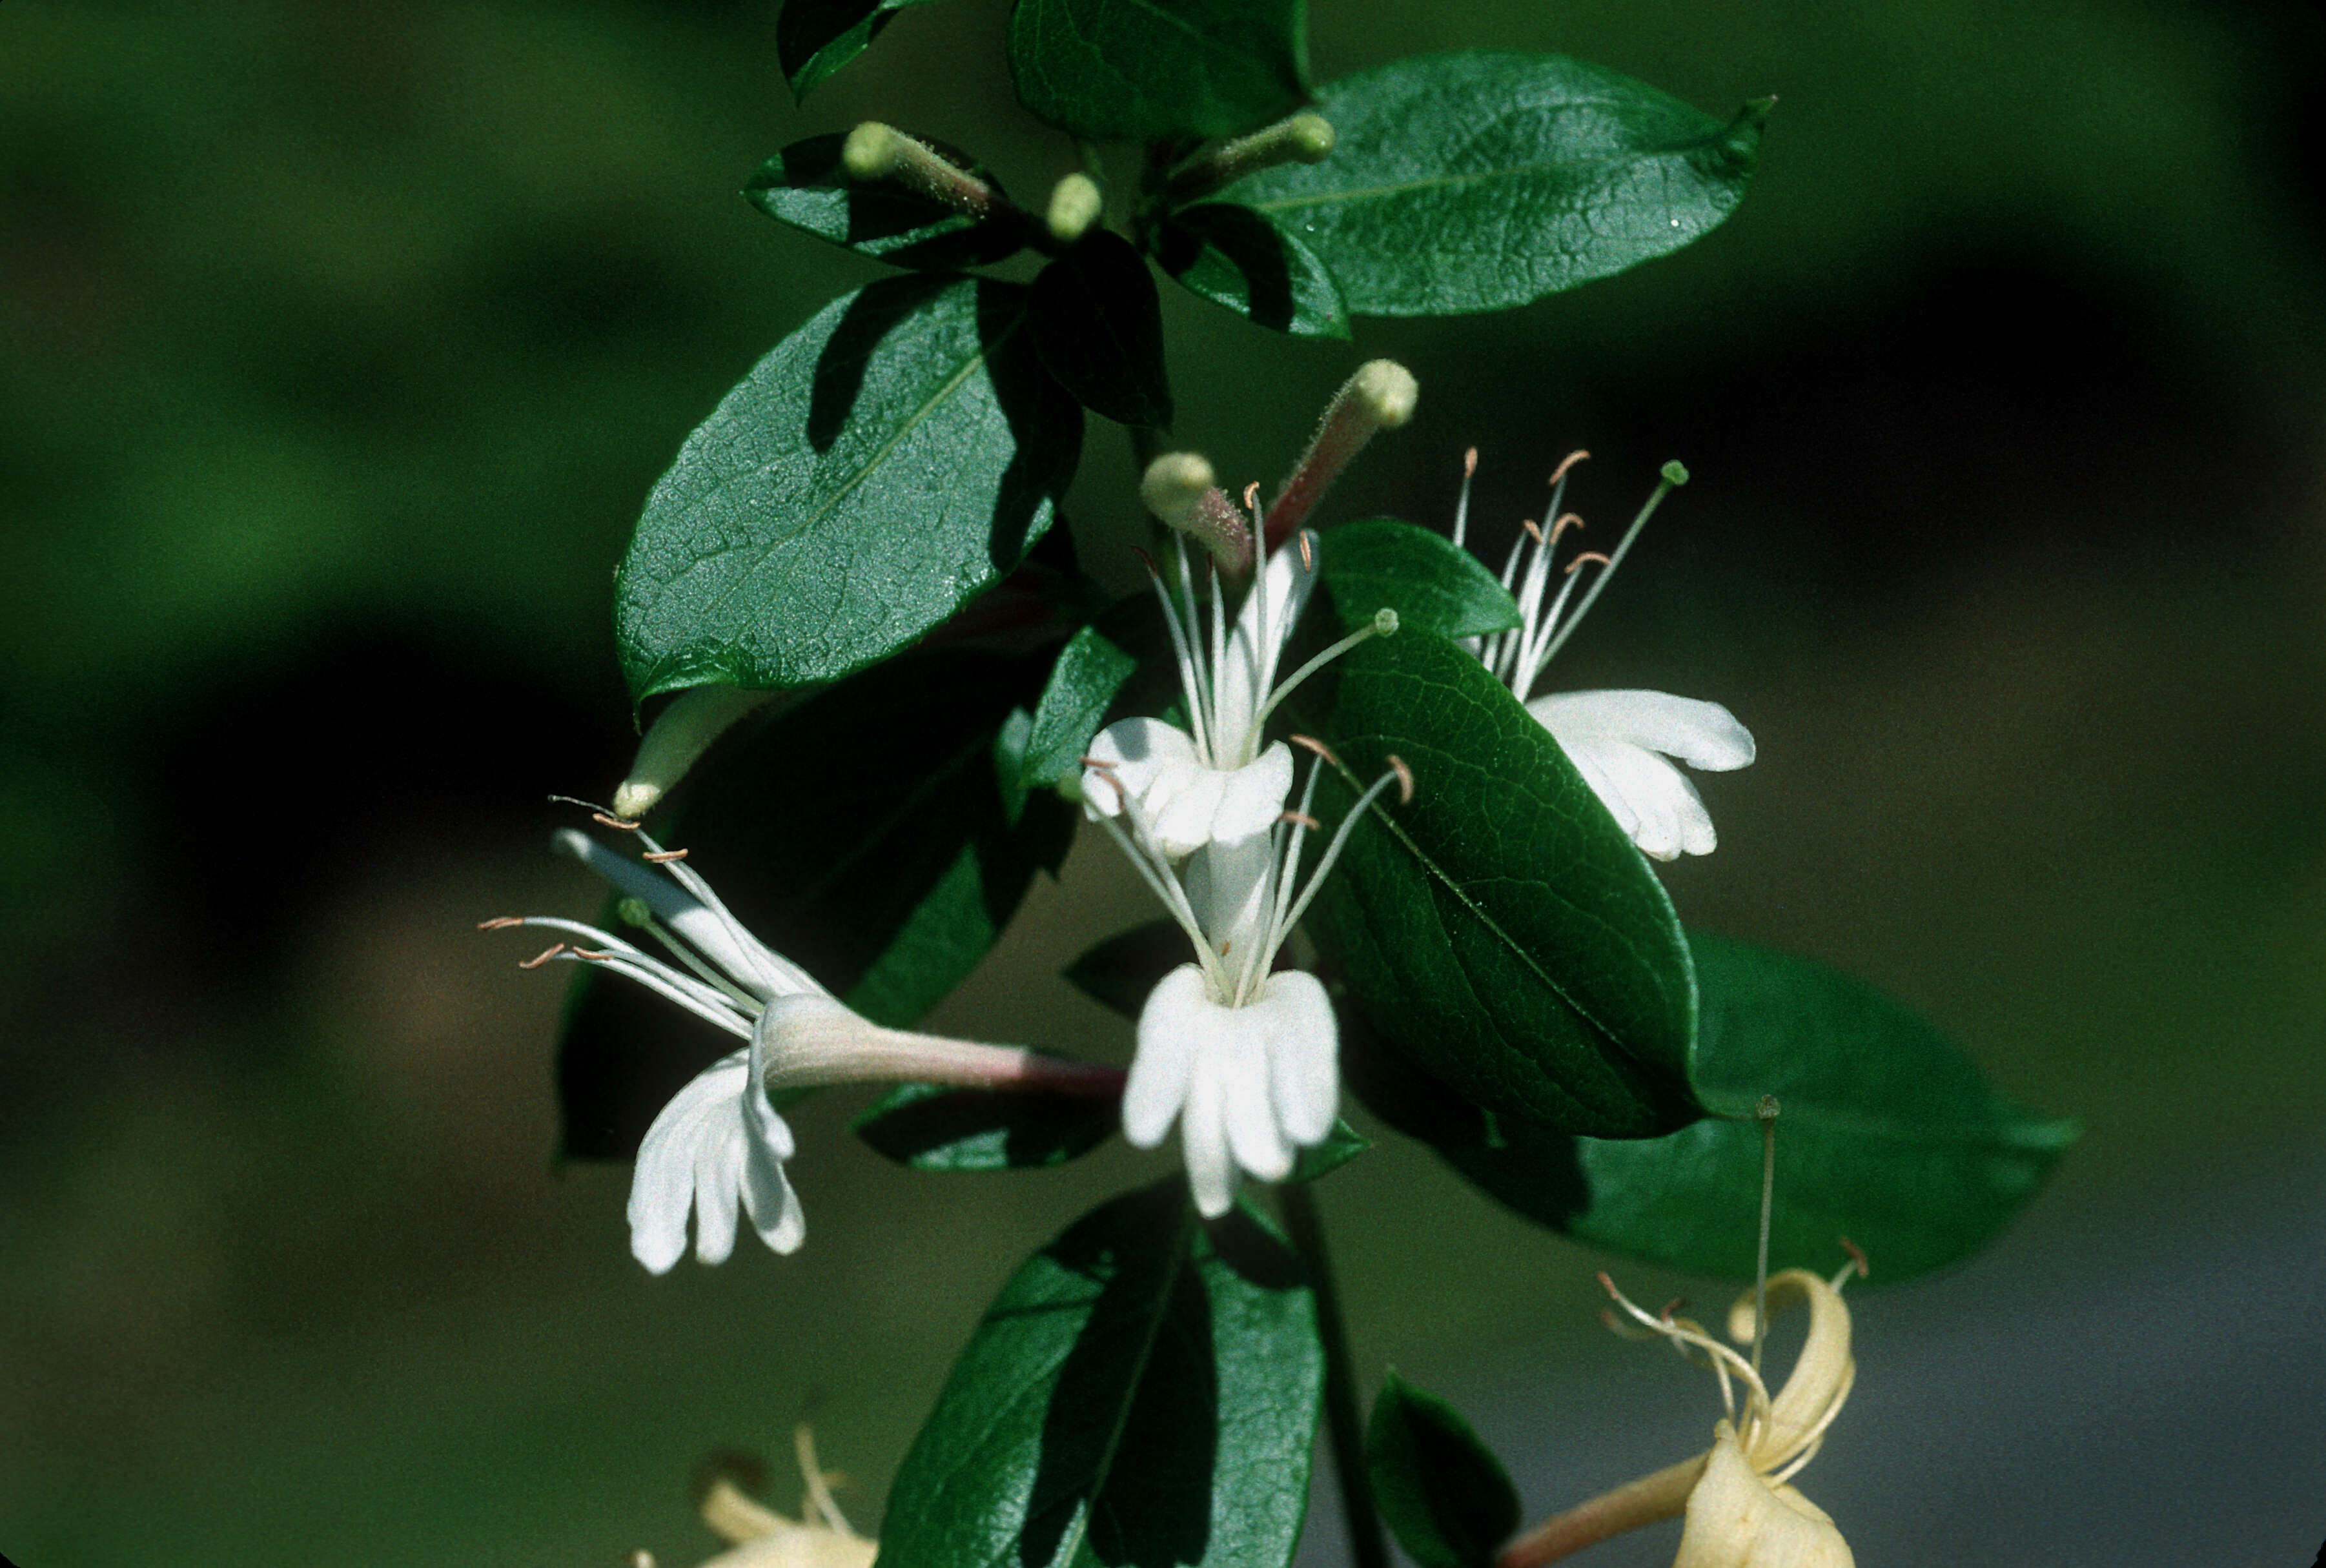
(1736, 1519)
(1649, 798)
(1171, 1029)
(1252, 798)
(1270, 610)
(1304, 1048)
(1181, 805)
(1133, 752)
(1703, 735)
(701, 1122)
(1204, 1135)
(1822, 1373)
(1254, 1137)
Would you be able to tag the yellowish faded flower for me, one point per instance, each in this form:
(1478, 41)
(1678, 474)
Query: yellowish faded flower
(760, 1537)
(1742, 1510)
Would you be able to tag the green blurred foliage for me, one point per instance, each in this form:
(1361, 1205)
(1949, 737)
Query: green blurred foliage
(353, 328)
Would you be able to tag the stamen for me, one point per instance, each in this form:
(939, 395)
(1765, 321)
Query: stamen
(664, 857)
(602, 820)
(1558, 474)
(1286, 919)
(1462, 507)
(1383, 624)
(1301, 819)
(1588, 555)
(1251, 496)
(1566, 520)
(1307, 552)
(500, 922)
(594, 956)
(542, 957)
(1765, 1112)
(1310, 742)
(1856, 1266)
(1404, 779)
(1532, 531)
(1673, 476)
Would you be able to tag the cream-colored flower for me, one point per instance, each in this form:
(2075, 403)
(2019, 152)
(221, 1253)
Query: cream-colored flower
(1742, 1510)
(759, 1537)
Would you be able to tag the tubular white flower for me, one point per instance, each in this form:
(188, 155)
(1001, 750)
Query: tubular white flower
(720, 1143)
(1624, 744)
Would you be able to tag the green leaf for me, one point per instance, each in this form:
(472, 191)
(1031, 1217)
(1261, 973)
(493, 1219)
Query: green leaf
(1341, 1145)
(1100, 328)
(1089, 671)
(1888, 1135)
(805, 187)
(1120, 971)
(864, 834)
(1501, 929)
(937, 1128)
(1234, 256)
(1145, 1390)
(1475, 182)
(1444, 1493)
(1147, 71)
(884, 465)
(814, 38)
(1433, 583)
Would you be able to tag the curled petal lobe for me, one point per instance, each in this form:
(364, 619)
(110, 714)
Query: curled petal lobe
(1164, 1065)
(1822, 1374)
(1619, 741)
(703, 1154)
(1736, 1519)
(1256, 644)
(1129, 756)
(1303, 1055)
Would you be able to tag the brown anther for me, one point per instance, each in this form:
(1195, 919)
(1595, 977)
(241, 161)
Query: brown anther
(1307, 553)
(1856, 1255)
(1608, 1286)
(592, 954)
(604, 821)
(1223, 948)
(1532, 531)
(500, 922)
(1404, 779)
(1671, 1309)
(1310, 742)
(1251, 497)
(1586, 555)
(1470, 464)
(1566, 463)
(664, 857)
(1301, 819)
(1566, 520)
(1098, 763)
(1145, 559)
(542, 956)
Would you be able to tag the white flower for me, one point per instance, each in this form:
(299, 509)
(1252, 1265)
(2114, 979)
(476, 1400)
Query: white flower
(1742, 1510)
(1622, 743)
(1244, 1057)
(720, 1143)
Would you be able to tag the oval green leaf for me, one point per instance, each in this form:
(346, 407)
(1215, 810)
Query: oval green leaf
(1089, 671)
(1264, 273)
(1887, 1134)
(1100, 328)
(888, 462)
(814, 38)
(1475, 182)
(1501, 929)
(1144, 1390)
(1146, 70)
(1444, 1494)
(1431, 582)
(805, 187)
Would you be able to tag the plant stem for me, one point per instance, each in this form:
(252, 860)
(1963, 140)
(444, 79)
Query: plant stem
(1368, 1547)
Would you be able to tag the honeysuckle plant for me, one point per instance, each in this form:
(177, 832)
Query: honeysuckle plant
(880, 694)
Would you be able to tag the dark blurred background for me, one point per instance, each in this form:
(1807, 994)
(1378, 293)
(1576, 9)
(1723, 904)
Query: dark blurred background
(342, 343)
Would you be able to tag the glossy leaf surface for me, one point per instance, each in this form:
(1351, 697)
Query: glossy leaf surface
(1501, 929)
(935, 1128)
(1140, 71)
(1478, 181)
(1442, 1491)
(1089, 671)
(804, 186)
(1120, 970)
(1261, 270)
(864, 834)
(1434, 584)
(1145, 1390)
(1100, 329)
(814, 38)
(884, 465)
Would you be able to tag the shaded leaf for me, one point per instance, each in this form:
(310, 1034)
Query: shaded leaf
(1144, 1390)
(1442, 1491)
(1264, 273)
(814, 38)
(1143, 71)
(1501, 929)
(881, 467)
(1089, 671)
(935, 1128)
(1100, 328)
(1478, 180)
(805, 187)
(1341, 1145)
(1433, 583)
(1120, 971)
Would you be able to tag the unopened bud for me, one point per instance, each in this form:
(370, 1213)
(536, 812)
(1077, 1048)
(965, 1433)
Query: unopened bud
(679, 735)
(1380, 395)
(1178, 487)
(874, 151)
(1075, 205)
(1308, 137)
(1303, 138)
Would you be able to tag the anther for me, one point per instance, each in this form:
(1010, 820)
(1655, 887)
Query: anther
(542, 956)
(500, 922)
(664, 857)
(1301, 819)
(1307, 552)
(1310, 742)
(1532, 531)
(1857, 1255)
(1566, 463)
(592, 954)
(1566, 520)
(1586, 555)
(1470, 464)
(1404, 779)
(603, 821)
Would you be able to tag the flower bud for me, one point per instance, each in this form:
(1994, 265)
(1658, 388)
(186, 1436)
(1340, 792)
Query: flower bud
(1303, 138)
(1075, 205)
(1178, 487)
(680, 734)
(874, 151)
(1380, 395)
(1736, 1519)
